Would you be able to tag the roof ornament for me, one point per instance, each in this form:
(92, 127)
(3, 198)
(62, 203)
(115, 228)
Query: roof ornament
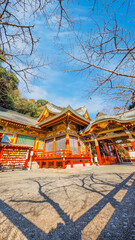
(68, 128)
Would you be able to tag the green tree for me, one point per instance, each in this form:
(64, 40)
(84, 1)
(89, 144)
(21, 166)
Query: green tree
(8, 83)
(41, 102)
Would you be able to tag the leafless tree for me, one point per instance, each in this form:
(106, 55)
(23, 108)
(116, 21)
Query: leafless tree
(107, 54)
(17, 36)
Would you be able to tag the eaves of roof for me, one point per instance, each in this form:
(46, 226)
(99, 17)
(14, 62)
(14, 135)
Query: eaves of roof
(62, 113)
(16, 117)
(117, 118)
(15, 145)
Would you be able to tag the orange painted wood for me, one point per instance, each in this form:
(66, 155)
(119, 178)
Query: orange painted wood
(26, 164)
(44, 147)
(54, 164)
(14, 140)
(46, 164)
(67, 143)
(86, 150)
(71, 162)
(54, 146)
(99, 155)
(35, 143)
(63, 164)
(83, 163)
(40, 164)
(133, 144)
(79, 146)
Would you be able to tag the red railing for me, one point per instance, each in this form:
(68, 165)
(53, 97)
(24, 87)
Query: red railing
(53, 154)
(64, 157)
(57, 154)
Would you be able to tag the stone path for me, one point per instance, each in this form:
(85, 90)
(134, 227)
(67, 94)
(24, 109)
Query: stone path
(83, 203)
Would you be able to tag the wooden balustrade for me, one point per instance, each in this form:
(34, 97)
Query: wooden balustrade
(63, 157)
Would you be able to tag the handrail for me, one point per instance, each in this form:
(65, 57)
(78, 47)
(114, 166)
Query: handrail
(58, 154)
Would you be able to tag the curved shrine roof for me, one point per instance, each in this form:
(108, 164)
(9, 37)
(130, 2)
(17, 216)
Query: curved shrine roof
(16, 117)
(124, 117)
(63, 112)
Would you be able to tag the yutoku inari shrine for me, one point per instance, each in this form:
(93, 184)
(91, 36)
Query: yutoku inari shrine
(63, 137)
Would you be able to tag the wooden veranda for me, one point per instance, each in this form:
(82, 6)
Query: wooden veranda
(60, 158)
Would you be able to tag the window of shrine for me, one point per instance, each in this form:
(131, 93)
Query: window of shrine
(61, 143)
(49, 145)
(74, 144)
(25, 140)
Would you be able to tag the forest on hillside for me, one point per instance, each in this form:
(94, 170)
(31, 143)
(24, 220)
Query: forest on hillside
(10, 96)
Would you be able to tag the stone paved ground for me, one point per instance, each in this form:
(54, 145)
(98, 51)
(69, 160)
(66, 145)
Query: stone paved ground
(80, 203)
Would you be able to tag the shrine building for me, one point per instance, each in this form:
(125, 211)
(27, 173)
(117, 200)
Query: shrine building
(63, 137)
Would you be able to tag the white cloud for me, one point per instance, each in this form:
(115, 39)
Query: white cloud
(35, 92)
(39, 92)
(93, 106)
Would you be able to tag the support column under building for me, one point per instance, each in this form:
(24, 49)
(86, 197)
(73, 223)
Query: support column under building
(98, 152)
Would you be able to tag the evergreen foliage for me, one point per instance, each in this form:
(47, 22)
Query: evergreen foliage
(10, 96)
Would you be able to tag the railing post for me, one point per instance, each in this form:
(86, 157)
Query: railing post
(40, 164)
(26, 163)
(98, 152)
(63, 163)
(90, 161)
(47, 164)
(83, 162)
(54, 164)
(54, 147)
(71, 163)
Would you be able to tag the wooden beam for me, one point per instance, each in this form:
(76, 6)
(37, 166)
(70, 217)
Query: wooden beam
(111, 130)
(110, 136)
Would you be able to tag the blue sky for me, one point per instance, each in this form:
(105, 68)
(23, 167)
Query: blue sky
(58, 86)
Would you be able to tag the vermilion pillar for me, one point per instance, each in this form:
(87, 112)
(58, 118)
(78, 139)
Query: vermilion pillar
(86, 150)
(67, 143)
(44, 147)
(35, 143)
(133, 143)
(98, 152)
(40, 164)
(54, 146)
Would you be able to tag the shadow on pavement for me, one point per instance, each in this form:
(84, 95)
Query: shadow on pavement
(72, 229)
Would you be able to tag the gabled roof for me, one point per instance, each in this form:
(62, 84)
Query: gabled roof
(83, 111)
(62, 114)
(53, 108)
(125, 117)
(50, 109)
(16, 117)
(56, 112)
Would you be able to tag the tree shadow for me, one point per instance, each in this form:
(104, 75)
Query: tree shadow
(69, 229)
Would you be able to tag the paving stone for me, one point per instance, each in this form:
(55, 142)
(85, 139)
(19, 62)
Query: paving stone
(74, 204)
